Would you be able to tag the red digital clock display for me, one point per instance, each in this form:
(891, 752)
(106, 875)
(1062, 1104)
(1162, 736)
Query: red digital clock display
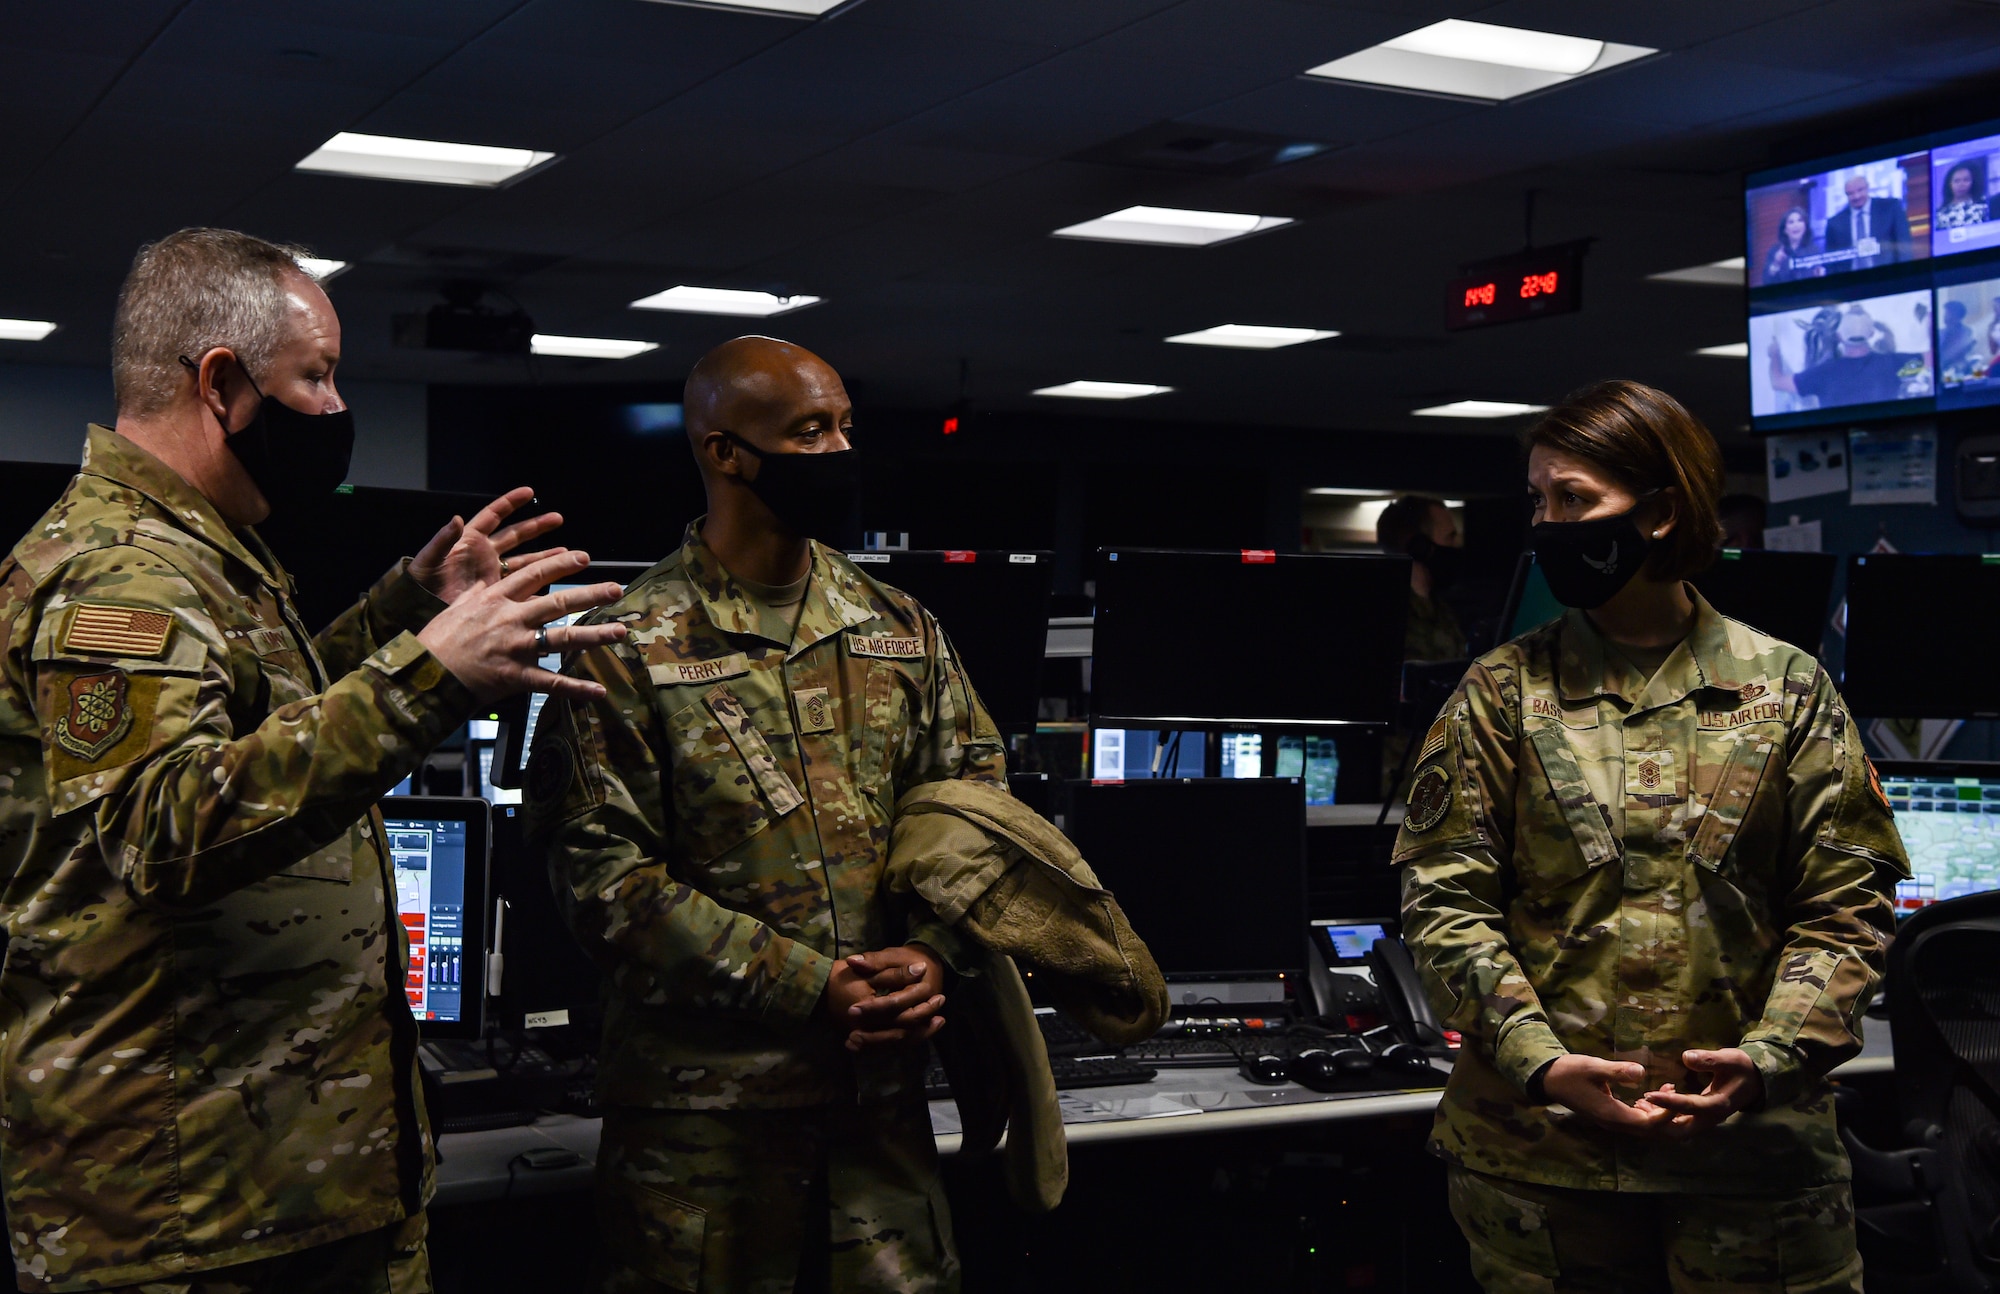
(1527, 286)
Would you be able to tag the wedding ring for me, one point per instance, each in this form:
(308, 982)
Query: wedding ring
(505, 569)
(542, 641)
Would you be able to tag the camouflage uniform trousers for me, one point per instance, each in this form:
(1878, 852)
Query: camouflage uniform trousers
(1533, 1239)
(387, 1260)
(831, 1198)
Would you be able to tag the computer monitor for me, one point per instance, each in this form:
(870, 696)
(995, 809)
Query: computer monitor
(1949, 817)
(438, 852)
(1211, 872)
(1786, 595)
(994, 606)
(514, 740)
(1921, 632)
(546, 980)
(1248, 638)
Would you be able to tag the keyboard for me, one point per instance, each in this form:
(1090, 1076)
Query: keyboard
(1199, 1051)
(1068, 1071)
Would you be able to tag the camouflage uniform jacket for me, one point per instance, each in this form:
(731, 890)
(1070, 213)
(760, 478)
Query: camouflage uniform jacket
(1625, 868)
(207, 1044)
(718, 823)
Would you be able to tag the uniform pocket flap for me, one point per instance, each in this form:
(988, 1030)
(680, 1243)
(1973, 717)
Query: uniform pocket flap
(765, 771)
(1729, 803)
(1588, 821)
(653, 1233)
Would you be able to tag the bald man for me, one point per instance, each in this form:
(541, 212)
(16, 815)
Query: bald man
(717, 826)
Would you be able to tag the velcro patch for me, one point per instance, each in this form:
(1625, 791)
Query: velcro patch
(266, 642)
(1430, 800)
(815, 710)
(699, 671)
(98, 714)
(103, 630)
(886, 648)
(1433, 741)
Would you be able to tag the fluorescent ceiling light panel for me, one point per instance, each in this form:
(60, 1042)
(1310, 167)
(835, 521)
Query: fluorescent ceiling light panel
(422, 161)
(1479, 409)
(722, 301)
(25, 329)
(1734, 350)
(797, 8)
(1252, 336)
(320, 269)
(1726, 273)
(588, 347)
(1478, 60)
(1345, 492)
(1171, 226)
(1085, 390)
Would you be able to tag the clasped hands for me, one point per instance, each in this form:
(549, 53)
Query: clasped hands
(1585, 1084)
(888, 996)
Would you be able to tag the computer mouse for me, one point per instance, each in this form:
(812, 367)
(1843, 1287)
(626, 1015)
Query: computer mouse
(1403, 1056)
(1265, 1069)
(1318, 1069)
(1353, 1061)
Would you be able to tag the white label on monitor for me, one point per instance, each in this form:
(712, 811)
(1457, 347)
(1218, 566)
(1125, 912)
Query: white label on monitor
(1023, 559)
(868, 557)
(545, 1019)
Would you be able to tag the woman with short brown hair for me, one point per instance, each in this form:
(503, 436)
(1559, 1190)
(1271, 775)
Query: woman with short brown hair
(1648, 877)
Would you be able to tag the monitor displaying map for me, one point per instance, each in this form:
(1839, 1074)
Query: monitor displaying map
(1951, 828)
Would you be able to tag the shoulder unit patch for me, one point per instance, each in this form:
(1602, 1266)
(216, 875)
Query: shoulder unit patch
(99, 714)
(1430, 800)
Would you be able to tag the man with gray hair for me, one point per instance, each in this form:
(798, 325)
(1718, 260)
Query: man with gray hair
(208, 1058)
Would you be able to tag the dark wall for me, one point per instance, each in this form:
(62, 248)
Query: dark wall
(1067, 483)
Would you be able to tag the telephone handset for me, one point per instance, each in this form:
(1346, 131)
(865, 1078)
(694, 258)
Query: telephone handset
(1403, 1000)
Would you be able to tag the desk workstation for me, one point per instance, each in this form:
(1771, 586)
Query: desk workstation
(1224, 785)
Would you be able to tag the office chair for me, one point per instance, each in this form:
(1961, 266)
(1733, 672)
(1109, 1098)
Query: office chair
(1933, 1223)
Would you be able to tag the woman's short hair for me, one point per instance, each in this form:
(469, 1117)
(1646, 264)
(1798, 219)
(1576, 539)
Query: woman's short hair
(189, 293)
(1645, 440)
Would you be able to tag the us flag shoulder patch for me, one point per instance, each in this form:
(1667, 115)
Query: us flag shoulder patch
(1433, 741)
(103, 630)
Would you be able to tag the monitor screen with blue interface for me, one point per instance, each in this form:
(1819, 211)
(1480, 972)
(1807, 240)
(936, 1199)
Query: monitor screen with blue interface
(1949, 817)
(430, 857)
(1349, 941)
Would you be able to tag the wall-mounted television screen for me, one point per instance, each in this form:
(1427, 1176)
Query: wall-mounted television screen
(1854, 354)
(1839, 219)
(1968, 338)
(1965, 192)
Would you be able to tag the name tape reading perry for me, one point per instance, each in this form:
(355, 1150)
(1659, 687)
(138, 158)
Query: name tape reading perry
(699, 671)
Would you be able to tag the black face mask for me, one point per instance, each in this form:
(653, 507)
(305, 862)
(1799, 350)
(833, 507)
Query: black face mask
(294, 458)
(812, 495)
(1587, 562)
(1444, 564)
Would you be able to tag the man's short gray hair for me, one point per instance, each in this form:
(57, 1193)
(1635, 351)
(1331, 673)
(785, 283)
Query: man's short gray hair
(187, 294)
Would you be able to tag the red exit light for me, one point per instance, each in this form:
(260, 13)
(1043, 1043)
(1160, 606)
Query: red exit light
(950, 425)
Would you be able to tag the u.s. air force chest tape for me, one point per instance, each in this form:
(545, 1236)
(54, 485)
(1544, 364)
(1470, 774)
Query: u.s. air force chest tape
(1756, 702)
(883, 647)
